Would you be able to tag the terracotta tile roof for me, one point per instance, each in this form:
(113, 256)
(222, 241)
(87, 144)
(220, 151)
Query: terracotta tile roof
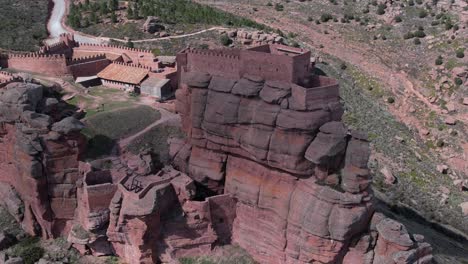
(123, 73)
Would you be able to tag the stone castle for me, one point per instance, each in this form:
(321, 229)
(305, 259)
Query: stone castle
(266, 164)
(68, 58)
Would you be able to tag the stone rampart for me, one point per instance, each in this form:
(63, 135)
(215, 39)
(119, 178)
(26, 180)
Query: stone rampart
(52, 65)
(138, 56)
(87, 66)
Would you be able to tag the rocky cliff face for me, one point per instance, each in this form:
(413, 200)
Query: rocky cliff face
(39, 150)
(299, 176)
(266, 165)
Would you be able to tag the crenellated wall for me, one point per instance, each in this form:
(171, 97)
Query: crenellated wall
(267, 61)
(52, 65)
(87, 66)
(138, 56)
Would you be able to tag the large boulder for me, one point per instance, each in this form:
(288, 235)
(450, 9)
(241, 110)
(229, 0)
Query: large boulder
(68, 125)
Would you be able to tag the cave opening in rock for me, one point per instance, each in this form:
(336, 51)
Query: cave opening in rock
(203, 192)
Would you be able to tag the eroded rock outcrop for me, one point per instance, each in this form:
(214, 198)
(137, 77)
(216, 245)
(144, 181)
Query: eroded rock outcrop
(38, 164)
(299, 176)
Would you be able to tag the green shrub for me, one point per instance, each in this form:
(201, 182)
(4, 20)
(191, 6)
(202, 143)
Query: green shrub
(269, 4)
(419, 34)
(279, 7)
(310, 18)
(419, 2)
(448, 25)
(365, 10)
(398, 19)
(439, 60)
(225, 40)
(460, 53)
(381, 9)
(416, 41)
(411, 3)
(422, 13)
(343, 66)
(458, 81)
(28, 249)
(326, 17)
(391, 100)
(435, 23)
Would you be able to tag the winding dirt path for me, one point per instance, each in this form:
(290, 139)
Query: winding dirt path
(172, 37)
(56, 26)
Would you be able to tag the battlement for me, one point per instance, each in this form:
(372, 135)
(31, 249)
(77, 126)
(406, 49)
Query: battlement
(270, 62)
(220, 53)
(36, 56)
(6, 77)
(86, 59)
(110, 47)
(132, 65)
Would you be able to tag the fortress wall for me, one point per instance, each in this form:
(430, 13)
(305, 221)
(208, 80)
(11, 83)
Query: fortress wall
(226, 65)
(138, 56)
(269, 66)
(6, 77)
(301, 67)
(88, 68)
(54, 65)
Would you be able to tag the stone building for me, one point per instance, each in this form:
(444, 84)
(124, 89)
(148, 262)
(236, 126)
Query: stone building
(123, 77)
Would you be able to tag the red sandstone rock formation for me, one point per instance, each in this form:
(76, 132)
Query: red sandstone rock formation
(39, 152)
(299, 176)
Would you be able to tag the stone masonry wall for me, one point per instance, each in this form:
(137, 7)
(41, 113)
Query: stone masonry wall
(54, 65)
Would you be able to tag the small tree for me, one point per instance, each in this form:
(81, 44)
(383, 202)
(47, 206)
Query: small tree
(417, 41)
(129, 12)
(103, 9)
(439, 60)
(279, 7)
(419, 34)
(398, 19)
(113, 17)
(422, 13)
(326, 17)
(381, 9)
(130, 44)
(460, 53)
(113, 5)
(93, 17)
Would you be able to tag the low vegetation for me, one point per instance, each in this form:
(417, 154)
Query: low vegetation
(90, 17)
(227, 255)
(23, 25)
(29, 249)
(104, 129)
